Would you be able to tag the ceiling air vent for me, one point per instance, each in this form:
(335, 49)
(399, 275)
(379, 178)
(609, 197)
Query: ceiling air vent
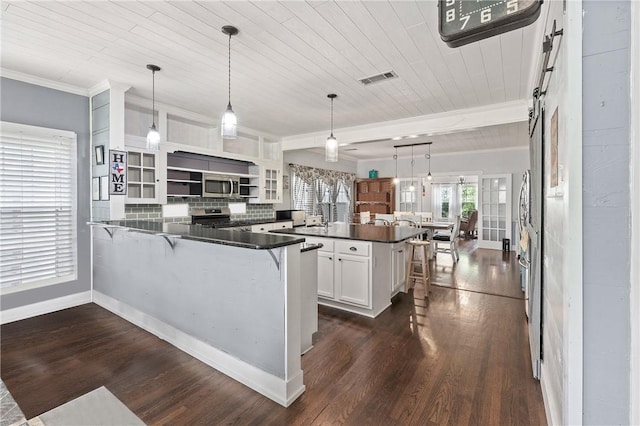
(378, 77)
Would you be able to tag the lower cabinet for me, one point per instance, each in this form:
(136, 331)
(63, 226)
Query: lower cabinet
(352, 280)
(326, 287)
(398, 267)
(359, 276)
(344, 271)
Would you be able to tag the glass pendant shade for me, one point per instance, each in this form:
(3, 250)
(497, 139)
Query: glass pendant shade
(396, 181)
(412, 187)
(331, 149)
(153, 138)
(429, 177)
(229, 124)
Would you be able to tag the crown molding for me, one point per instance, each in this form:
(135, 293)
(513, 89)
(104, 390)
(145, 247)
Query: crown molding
(39, 81)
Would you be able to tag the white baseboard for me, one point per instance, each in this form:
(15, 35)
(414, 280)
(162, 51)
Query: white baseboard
(280, 390)
(46, 307)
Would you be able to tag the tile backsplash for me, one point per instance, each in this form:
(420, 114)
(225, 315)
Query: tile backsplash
(154, 211)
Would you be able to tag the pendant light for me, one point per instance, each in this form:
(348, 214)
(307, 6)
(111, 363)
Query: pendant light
(331, 147)
(412, 187)
(229, 124)
(429, 177)
(153, 136)
(395, 157)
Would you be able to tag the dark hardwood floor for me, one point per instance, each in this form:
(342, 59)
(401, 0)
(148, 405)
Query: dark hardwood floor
(460, 358)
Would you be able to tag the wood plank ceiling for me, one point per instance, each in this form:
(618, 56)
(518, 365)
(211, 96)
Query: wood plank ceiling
(285, 60)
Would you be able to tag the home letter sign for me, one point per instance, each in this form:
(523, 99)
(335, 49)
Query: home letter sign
(117, 172)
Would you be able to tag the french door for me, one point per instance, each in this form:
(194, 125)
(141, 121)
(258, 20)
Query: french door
(495, 211)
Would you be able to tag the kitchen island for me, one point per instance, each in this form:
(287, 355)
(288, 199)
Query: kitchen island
(360, 267)
(231, 299)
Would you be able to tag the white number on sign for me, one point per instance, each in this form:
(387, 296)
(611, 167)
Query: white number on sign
(451, 15)
(485, 15)
(512, 6)
(451, 2)
(465, 20)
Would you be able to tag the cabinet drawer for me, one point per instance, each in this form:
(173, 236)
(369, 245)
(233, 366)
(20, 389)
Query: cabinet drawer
(354, 248)
(262, 227)
(282, 225)
(313, 220)
(327, 244)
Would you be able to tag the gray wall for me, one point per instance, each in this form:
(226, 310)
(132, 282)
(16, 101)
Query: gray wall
(39, 106)
(606, 200)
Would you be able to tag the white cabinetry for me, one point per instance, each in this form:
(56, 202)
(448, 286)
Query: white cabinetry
(143, 182)
(326, 287)
(271, 183)
(344, 271)
(266, 227)
(353, 272)
(359, 276)
(398, 267)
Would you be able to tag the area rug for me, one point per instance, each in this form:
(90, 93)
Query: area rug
(96, 408)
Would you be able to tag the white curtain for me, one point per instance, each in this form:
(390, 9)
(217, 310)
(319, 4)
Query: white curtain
(445, 201)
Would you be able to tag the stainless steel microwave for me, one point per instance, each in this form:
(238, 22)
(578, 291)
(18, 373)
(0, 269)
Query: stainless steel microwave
(220, 186)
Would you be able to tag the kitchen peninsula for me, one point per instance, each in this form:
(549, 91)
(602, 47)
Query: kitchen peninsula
(229, 298)
(360, 267)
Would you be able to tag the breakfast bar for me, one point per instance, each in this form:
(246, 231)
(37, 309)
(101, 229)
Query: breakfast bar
(231, 299)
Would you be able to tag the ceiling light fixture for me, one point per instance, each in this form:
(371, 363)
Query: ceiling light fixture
(429, 177)
(153, 136)
(395, 157)
(229, 125)
(331, 147)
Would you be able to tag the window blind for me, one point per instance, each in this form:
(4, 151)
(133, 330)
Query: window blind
(37, 206)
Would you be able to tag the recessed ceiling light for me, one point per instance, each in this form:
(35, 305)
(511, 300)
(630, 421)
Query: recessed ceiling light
(397, 138)
(412, 136)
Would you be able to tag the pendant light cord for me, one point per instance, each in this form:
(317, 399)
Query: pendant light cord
(229, 68)
(412, 162)
(395, 157)
(153, 97)
(331, 117)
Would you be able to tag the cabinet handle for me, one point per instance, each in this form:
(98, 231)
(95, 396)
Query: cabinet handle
(353, 249)
(340, 259)
(331, 258)
(400, 251)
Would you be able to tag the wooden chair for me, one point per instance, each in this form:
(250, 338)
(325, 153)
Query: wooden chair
(450, 238)
(382, 219)
(469, 226)
(427, 217)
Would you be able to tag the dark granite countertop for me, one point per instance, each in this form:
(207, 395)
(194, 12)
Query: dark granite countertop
(250, 240)
(379, 234)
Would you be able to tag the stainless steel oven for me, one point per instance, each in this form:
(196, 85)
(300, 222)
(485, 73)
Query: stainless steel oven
(220, 186)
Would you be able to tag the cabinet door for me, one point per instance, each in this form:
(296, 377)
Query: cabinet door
(399, 269)
(325, 275)
(272, 184)
(142, 177)
(353, 280)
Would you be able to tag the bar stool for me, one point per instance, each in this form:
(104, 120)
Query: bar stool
(421, 248)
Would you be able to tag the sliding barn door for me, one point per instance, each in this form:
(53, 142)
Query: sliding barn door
(534, 230)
